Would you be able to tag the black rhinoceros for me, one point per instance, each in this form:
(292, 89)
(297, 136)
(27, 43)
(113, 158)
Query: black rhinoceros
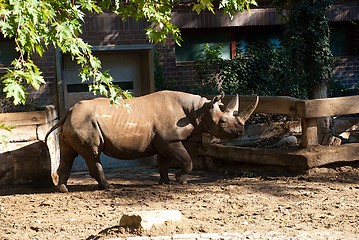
(155, 124)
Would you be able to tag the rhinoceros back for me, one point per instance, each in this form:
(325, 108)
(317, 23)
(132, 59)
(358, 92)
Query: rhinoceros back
(129, 133)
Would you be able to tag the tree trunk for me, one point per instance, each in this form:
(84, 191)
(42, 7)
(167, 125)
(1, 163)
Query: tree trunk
(326, 132)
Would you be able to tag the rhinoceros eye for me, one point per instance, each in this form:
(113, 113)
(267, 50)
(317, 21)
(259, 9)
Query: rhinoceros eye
(223, 121)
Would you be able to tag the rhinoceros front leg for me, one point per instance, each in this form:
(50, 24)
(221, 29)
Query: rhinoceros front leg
(163, 165)
(176, 151)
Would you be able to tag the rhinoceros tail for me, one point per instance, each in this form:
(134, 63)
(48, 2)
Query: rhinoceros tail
(58, 124)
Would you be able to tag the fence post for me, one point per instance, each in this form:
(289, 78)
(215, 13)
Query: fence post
(309, 132)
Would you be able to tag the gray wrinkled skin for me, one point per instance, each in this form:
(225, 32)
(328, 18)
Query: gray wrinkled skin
(156, 124)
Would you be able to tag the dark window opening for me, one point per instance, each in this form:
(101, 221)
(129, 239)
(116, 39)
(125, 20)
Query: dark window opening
(340, 36)
(85, 88)
(193, 43)
(7, 52)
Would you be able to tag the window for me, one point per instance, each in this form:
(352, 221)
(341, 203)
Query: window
(193, 42)
(339, 40)
(245, 36)
(7, 52)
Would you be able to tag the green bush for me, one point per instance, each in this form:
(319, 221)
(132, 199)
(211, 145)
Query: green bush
(261, 69)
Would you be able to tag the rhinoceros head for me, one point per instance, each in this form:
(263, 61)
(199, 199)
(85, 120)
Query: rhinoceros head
(227, 122)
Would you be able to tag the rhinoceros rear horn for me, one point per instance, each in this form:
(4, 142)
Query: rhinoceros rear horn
(233, 105)
(245, 115)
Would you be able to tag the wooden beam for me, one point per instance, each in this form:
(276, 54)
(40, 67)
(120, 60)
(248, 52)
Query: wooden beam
(317, 108)
(20, 134)
(264, 156)
(321, 155)
(267, 104)
(313, 156)
(24, 118)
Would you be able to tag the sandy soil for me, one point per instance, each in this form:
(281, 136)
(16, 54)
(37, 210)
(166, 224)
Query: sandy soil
(323, 203)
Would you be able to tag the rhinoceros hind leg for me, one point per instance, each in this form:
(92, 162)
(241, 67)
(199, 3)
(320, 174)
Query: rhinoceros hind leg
(96, 171)
(62, 188)
(181, 178)
(67, 156)
(176, 151)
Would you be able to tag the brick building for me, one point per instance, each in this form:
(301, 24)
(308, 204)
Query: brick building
(124, 49)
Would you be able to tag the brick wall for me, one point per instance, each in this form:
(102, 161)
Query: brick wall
(108, 29)
(347, 71)
(347, 67)
(99, 30)
(47, 95)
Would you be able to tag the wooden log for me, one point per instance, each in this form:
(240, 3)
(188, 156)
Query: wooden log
(253, 155)
(313, 156)
(309, 132)
(25, 162)
(329, 107)
(24, 118)
(20, 134)
(315, 108)
(271, 104)
(267, 104)
(322, 155)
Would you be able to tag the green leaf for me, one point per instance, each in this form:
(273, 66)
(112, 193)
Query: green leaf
(15, 90)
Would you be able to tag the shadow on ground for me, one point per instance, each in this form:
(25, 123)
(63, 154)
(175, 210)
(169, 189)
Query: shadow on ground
(138, 180)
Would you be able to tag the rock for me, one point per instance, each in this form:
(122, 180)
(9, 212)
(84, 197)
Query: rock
(146, 219)
(289, 141)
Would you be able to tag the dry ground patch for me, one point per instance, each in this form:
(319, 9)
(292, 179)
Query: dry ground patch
(321, 203)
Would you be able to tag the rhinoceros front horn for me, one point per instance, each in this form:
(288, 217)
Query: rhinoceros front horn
(242, 117)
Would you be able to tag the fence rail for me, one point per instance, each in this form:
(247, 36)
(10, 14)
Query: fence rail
(308, 110)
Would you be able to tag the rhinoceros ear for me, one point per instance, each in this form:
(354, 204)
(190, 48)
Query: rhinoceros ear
(217, 98)
(233, 105)
(245, 115)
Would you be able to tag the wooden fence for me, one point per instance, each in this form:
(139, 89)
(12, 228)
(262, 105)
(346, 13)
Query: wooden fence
(26, 158)
(312, 154)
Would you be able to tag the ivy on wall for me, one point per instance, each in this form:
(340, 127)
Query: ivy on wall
(261, 70)
(302, 60)
(307, 38)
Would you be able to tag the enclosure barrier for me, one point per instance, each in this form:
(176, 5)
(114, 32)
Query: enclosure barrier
(312, 154)
(25, 158)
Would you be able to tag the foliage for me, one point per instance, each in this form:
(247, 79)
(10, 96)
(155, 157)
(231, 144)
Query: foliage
(34, 25)
(208, 68)
(293, 69)
(261, 69)
(37, 24)
(307, 37)
(229, 7)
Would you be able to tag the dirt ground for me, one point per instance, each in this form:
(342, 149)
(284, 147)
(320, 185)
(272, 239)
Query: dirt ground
(324, 204)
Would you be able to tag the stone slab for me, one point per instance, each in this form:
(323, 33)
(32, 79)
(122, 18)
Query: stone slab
(146, 219)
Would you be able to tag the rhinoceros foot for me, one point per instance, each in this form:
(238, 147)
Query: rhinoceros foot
(62, 188)
(166, 181)
(105, 186)
(181, 178)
